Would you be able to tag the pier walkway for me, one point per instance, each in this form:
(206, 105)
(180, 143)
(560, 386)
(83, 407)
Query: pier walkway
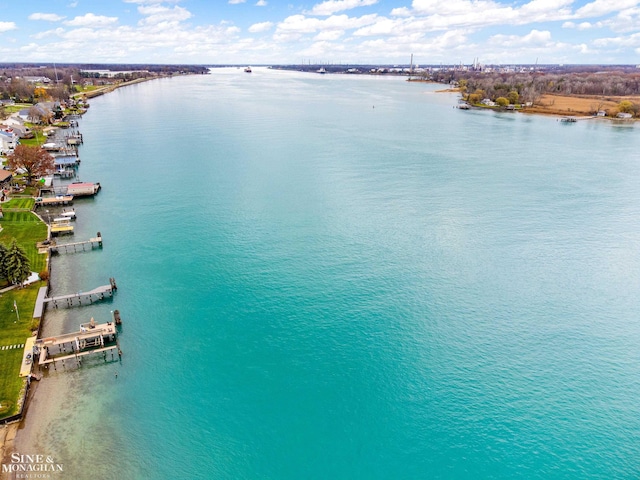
(62, 200)
(80, 298)
(95, 242)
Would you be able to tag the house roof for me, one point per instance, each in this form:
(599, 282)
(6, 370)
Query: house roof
(5, 175)
(10, 135)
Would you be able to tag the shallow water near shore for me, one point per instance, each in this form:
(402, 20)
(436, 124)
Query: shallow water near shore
(328, 276)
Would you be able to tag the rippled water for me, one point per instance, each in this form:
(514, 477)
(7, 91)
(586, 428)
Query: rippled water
(345, 277)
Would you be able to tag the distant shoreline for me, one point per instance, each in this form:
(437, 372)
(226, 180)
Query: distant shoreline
(581, 106)
(110, 88)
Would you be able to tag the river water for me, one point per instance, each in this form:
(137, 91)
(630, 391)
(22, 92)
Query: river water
(326, 276)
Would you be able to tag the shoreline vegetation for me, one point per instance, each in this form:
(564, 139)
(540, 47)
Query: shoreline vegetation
(19, 221)
(12, 224)
(566, 105)
(608, 91)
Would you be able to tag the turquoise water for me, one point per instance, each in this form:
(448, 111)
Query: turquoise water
(345, 277)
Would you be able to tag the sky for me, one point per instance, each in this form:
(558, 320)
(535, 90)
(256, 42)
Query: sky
(256, 32)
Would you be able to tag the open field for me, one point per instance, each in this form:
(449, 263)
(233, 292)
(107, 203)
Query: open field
(577, 105)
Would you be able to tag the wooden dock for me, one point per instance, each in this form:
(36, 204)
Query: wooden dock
(83, 298)
(52, 201)
(95, 242)
(92, 338)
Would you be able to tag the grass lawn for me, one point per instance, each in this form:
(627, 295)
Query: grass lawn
(11, 384)
(20, 223)
(27, 229)
(9, 109)
(33, 142)
(14, 331)
(20, 203)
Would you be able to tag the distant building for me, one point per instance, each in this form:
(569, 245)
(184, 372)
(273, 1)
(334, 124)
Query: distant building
(45, 80)
(109, 73)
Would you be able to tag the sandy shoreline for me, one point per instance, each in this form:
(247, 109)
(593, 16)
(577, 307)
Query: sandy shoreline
(45, 401)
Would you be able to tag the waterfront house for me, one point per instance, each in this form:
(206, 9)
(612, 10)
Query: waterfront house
(22, 131)
(8, 141)
(5, 178)
(624, 115)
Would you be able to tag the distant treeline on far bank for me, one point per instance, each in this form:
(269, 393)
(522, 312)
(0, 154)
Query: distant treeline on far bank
(20, 81)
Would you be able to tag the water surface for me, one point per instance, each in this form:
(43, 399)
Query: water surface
(326, 276)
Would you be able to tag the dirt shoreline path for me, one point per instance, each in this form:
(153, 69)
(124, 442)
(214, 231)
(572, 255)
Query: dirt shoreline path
(8, 434)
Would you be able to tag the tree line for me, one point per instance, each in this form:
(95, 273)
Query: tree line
(13, 84)
(531, 86)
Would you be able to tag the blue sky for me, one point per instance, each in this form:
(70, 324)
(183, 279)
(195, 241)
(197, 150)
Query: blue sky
(332, 31)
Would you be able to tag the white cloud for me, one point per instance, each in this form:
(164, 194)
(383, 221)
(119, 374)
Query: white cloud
(261, 27)
(598, 8)
(48, 17)
(435, 30)
(616, 42)
(627, 20)
(91, 20)
(383, 26)
(446, 14)
(330, 35)
(151, 2)
(6, 26)
(583, 25)
(533, 38)
(329, 7)
(302, 24)
(156, 14)
(49, 33)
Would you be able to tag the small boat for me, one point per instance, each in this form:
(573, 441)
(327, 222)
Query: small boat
(61, 226)
(247, 70)
(68, 214)
(322, 70)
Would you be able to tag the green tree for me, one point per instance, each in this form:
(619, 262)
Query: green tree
(35, 160)
(3, 255)
(482, 93)
(502, 102)
(474, 98)
(513, 97)
(16, 264)
(627, 106)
